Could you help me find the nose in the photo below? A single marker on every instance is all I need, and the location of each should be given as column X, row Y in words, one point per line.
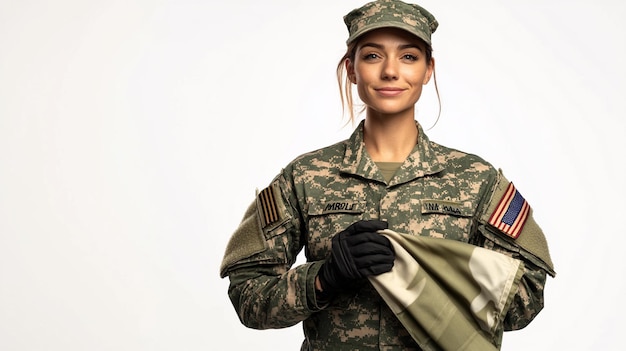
column 390, row 70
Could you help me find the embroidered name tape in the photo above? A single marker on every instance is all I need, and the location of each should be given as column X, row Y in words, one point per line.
column 511, row 212
column 441, row 206
column 343, row 207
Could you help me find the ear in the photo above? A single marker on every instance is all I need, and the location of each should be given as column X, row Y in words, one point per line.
column 350, row 71
column 429, row 70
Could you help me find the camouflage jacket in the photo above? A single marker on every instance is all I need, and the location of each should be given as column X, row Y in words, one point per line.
column 437, row 192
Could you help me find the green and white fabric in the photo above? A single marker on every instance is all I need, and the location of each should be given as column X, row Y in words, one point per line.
column 448, row 294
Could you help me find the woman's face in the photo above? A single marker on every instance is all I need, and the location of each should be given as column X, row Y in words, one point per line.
column 389, row 70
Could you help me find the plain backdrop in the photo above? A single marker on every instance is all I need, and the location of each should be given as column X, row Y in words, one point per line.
column 133, row 135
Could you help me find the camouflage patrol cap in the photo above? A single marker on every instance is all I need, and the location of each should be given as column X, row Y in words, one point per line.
column 390, row 13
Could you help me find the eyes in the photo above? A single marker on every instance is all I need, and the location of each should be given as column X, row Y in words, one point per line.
column 373, row 57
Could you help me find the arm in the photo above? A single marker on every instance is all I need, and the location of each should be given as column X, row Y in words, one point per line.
column 264, row 299
column 523, row 240
column 265, row 290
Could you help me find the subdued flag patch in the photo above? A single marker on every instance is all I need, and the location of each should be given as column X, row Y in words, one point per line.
column 269, row 209
column 511, row 212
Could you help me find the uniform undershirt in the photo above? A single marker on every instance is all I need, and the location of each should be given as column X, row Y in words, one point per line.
column 388, row 169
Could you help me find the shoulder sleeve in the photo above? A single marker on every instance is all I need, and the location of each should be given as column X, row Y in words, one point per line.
column 509, row 216
column 264, row 215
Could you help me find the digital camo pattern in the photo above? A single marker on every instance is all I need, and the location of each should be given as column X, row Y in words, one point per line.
column 391, row 13
column 438, row 192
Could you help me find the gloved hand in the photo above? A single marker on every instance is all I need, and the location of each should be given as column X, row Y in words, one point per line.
column 357, row 252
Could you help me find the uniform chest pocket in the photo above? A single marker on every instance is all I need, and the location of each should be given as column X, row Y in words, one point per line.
column 328, row 217
column 446, row 219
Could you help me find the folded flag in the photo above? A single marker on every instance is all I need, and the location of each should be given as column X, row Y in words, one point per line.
column 449, row 295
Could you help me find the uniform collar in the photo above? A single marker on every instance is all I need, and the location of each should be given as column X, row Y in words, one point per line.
column 422, row 160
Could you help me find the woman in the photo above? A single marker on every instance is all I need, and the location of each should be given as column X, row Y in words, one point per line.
column 333, row 202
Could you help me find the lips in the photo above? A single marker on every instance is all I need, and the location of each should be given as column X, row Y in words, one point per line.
column 389, row 91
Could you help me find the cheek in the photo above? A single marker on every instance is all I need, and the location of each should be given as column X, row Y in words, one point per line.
column 362, row 91
column 363, row 78
column 362, row 75
column 417, row 76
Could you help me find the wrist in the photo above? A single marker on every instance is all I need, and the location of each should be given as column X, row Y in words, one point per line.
column 318, row 285
column 320, row 295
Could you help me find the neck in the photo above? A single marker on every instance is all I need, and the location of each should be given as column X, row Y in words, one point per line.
column 389, row 138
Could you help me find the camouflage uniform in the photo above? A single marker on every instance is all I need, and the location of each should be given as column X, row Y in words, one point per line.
column 437, row 192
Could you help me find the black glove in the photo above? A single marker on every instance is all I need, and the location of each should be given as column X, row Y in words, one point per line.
column 357, row 252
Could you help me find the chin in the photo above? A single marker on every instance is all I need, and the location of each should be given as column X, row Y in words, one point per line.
column 388, row 111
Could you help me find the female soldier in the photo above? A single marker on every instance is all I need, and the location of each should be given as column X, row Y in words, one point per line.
column 332, row 202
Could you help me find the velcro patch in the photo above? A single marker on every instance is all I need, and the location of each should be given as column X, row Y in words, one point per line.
column 510, row 215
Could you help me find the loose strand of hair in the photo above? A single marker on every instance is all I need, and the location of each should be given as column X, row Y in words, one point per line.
column 438, row 99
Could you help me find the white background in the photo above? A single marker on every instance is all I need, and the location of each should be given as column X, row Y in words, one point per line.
column 133, row 135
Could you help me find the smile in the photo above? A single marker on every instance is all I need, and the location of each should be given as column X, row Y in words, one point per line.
column 389, row 91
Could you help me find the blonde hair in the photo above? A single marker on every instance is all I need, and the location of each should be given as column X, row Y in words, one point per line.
column 345, row 85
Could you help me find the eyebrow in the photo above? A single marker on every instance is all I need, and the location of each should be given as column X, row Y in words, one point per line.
column 401, row 47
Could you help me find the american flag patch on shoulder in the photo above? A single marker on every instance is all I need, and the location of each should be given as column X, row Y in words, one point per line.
column 269, row 207
column 511, row 213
